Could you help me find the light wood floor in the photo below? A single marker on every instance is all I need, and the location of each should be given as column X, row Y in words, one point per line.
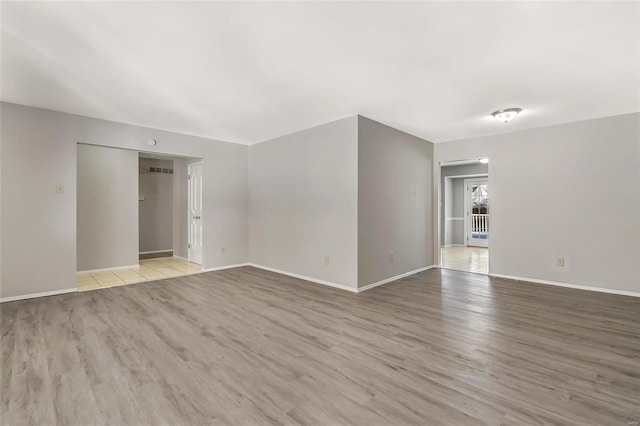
column 246, row 346
column 462, row 258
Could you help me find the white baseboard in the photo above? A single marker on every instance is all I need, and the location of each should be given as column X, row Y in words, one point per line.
column 454, row 245
column 117, row 268
column 180, row 257
column 155, row 251
column 576, row 286
column 34, row 295
column 397, row 277
column 220, row 268
column 303, row 277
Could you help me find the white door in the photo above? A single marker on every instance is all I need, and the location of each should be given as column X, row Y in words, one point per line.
column 477, row 212
column 195, row 213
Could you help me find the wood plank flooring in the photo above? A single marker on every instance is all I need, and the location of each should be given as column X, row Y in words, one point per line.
column 246, row 346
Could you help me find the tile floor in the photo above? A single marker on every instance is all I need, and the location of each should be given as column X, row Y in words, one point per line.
column 470, row 259
column 149, row 270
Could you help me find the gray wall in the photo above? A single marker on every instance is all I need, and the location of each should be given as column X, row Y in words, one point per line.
column 457, row 192
column 446, row 224
column 107, row 208
column 303, row 201
column 395, row 206
column 452, row 200
column 155, row 212
column 39, row 225
column 575, row 170
column 453, row 206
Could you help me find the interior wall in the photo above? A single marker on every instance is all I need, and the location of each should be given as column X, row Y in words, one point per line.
column 447, row 222
column 555, row 192
column 311, row 211
column 395, row 202
column 452, row 195
column 155, row 211
column 39, row 225
column 453, row 222
column 303, row 202
column 457, row 189
column 107, row 208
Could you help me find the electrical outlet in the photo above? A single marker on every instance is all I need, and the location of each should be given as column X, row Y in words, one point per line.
column 223, row 249
column 327, row 260
column 59, row 188
column 392, row 257
column 560, row 261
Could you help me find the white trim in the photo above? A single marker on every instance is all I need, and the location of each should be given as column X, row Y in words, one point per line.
column 303, row 277
column 454, row 245
column 461, row 162
column 117, row 268
column 340, row 286
column 576, row 286
column 155, row 251
column 220, row 268
column 397, row 277
column 179, row 257
column 34, row 295
column 476, row 175
column 454, row 218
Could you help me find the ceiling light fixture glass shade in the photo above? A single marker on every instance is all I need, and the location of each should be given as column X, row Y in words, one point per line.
column 506, row 115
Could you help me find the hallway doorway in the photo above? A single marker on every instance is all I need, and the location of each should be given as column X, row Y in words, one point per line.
column 464, row 215
column 133, row 217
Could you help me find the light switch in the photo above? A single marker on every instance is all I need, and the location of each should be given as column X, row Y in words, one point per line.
column 59, row 188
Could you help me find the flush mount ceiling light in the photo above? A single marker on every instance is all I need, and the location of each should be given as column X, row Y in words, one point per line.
column 506, row 115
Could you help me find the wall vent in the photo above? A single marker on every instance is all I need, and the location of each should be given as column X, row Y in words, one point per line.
column 157, row 170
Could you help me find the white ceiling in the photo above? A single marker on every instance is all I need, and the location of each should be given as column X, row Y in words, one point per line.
column 248, row 72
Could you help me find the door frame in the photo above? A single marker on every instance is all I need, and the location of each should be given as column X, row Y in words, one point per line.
column 196, row 163
column 467, row 213
column 439, row 200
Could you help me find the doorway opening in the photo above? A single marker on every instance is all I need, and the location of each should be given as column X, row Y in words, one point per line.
column 155, row 206
column 133, row 217
column 464, row 215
